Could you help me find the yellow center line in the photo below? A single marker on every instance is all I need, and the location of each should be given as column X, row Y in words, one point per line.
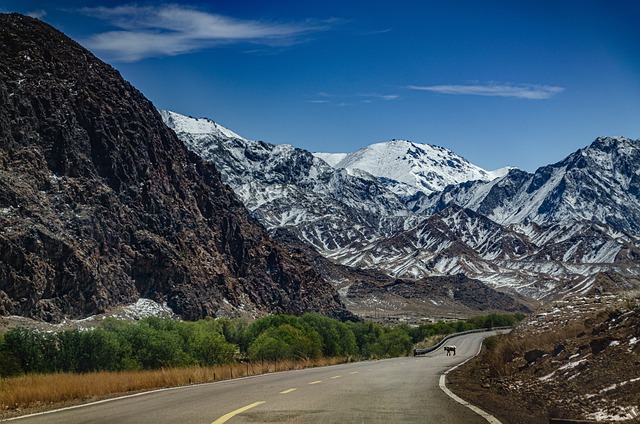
column 354, row 372
column 287, row 391
column 316, row 382
column 227, row 417
column 336, row 376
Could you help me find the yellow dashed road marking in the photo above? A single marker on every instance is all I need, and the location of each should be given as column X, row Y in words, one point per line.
column 287, row 391
column 336, row 376
column 354, row 372
column 227, row 417
column 316, row 382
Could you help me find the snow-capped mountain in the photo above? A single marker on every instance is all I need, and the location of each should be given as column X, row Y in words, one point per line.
column 598, row 183
column 534, row 234
column 288, row 188
column 186, row 124
column 406, row 167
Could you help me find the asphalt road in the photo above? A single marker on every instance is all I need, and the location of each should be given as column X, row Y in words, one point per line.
column 401, row 390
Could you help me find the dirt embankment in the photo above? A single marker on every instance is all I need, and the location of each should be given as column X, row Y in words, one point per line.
column 577, row 359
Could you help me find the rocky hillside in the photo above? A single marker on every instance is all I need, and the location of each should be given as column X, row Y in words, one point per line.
column 438, row 295
column 375, row 295
column 101, row 204
column 534, row 260
column 578, row 358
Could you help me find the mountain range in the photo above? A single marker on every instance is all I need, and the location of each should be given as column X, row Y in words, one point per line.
column 568, row 227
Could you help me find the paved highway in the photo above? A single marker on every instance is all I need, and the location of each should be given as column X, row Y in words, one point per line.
column 401, row 390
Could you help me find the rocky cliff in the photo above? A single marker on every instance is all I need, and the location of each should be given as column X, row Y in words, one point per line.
column 101, row 204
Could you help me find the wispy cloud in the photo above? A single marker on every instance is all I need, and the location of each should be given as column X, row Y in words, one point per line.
column 381, row 96
column 351, row 99
column 521, row 91
column 376, row 32
column 172, row 29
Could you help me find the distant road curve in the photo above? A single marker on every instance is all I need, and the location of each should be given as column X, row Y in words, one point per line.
column 400, row 390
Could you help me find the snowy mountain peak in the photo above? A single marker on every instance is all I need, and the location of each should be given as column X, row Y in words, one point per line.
column 613, row 145
column 599, row 183
column 195, row 126
column 407, row 167
column 611, row 140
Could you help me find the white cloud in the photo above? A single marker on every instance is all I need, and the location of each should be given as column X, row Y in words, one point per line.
column 521, row 91
column 169, row 30
column 382, row 96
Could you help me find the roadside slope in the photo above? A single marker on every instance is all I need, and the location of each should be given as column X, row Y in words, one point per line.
column 577, row 359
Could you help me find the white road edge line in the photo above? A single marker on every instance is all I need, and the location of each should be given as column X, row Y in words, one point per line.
column 443, row 386
column 66, row 408
column 142, row 393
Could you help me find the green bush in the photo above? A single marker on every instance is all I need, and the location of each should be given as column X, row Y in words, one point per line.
column 286, row 342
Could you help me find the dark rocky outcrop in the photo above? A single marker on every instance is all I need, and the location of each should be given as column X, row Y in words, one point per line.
column 469, row 293
column 101, row 204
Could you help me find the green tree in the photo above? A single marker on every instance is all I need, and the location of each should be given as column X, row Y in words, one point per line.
column 286, row 342
column 392, row 343
column 27, row 347
column 9, row 363
column 366, row 334
column 207, row 345
column 337, row 338
column 153, row 348
column 233, row 330
column 268, row 347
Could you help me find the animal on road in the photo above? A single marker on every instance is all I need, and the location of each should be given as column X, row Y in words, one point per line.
column 451, row 350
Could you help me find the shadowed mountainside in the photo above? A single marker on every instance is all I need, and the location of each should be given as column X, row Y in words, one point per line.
column 101, row 204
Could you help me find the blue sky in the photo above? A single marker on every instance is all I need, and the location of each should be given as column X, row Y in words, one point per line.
column 521, row 83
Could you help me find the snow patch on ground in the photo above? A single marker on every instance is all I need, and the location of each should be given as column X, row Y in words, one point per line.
column 145, row 308
column 616, row 413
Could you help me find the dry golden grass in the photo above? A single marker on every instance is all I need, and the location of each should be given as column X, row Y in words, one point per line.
column 44, row 391
column 502, row 350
